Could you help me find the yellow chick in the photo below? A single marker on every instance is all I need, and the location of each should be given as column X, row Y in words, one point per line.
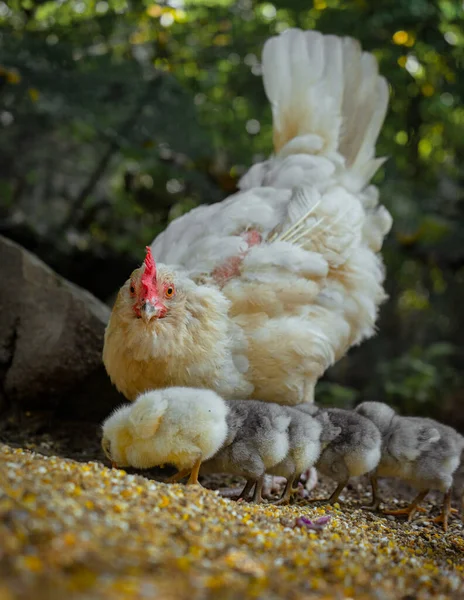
column 178, row 426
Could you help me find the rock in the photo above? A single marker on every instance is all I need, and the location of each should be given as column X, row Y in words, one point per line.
column 51, row 340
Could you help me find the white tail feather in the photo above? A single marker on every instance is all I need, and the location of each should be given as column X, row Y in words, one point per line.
column 302, row 205
column 327, row 89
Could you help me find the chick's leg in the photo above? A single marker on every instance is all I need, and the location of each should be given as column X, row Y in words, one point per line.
column 288, row 491
column 178, row 476
column 338, row 490
column 410, row 510
column 193, row 479
column 247, row 489
column 296, row 479
column 447, row 510
column 257, row 496
column 333, row 498
column 376, row 500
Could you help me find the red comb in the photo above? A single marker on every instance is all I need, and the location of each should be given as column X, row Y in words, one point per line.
column 150, row 268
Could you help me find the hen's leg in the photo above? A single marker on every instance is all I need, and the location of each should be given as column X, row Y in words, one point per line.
column 178, row 476
column 333, row 498
column 247, row 489
column 193, row 479
column 447, row 510
column 376, row 500
column 410, row 510
column 257, row 497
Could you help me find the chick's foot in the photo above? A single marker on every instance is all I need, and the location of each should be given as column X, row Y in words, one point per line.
column 443, row 518
column 409, row 511
column 287, row 495
column 333, row 498
column 320, row 502
column 178, row 476
column 374, row 507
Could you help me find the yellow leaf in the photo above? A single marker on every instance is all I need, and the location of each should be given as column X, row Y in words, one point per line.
column 33, row 94
column 13, row 77
column 425, row 148
column 401, row 138
column 400, row 38
column 180, row 15
column 222, row 40
column 427, row 89
column 154, row 11
column 139, row 37
column 411, row 40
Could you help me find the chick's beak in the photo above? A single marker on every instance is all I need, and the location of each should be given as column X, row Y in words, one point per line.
column 148, row 311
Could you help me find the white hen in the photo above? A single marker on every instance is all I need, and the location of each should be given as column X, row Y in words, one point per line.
column 258, row 295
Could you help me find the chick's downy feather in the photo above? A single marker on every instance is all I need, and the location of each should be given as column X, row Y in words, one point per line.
column 355, row 451
column 258, row 295
column 304, row 436
column 257, row 439
column 175, row 426
column 422, row 451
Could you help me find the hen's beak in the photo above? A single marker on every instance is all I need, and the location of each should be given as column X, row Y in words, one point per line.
column 148, row 311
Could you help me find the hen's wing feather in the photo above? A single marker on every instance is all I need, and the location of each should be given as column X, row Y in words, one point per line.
column 204, row 238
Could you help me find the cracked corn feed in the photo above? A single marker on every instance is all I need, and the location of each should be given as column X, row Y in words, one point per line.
column 80, row 530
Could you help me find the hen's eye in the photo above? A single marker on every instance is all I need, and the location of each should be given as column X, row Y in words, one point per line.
column 169, row 292
column 132, row 290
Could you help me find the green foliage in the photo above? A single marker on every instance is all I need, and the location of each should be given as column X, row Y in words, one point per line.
column 415, row 380
column 117, row 116
column 334, row 395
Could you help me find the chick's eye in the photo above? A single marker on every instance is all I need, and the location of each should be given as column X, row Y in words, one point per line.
column 169, row 293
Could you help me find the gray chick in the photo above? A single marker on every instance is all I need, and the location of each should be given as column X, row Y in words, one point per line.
column 257, row 439
column 354, row 452
column 458, row 483
column 418, row 450
column 307, row 437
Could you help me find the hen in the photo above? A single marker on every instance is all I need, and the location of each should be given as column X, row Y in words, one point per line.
column 258, row 295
